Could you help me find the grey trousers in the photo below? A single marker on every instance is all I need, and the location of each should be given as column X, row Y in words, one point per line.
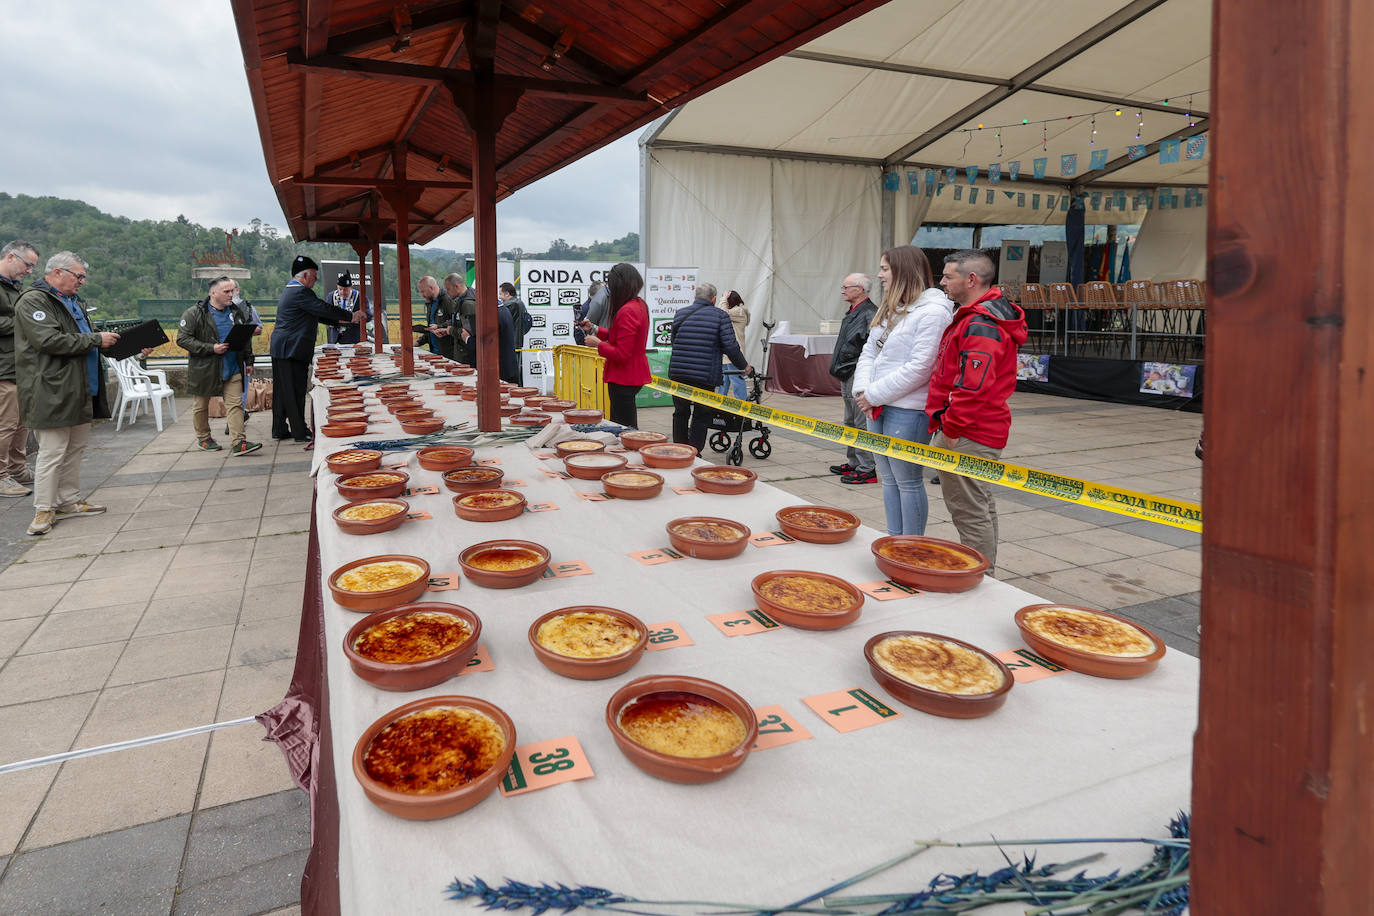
column 971, row 504
column 853, row 416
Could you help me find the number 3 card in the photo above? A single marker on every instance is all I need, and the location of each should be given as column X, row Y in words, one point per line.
column 544, row 764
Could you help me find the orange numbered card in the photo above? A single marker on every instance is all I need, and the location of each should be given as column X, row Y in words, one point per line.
column 544, row 764
column 545, row 456
column 886, row 590
column 1026, row 666
column 667, row 635
column 777, row 727
column 852, row 709
column 442, row 582
column 555, row 475
column 656, row 556
column 770, row 539
column 685, row 490
column 744, row 623
column 428, row 489
column 479, row 662
column 540, row 507
column 595, row 497
column 396, row 467
column 567, row 568
column 418, row 515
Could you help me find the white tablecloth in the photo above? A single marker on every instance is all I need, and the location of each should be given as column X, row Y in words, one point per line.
column 1068, row 755
column 812, row 344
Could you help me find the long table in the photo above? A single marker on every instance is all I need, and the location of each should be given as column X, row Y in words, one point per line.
column 1068, row 755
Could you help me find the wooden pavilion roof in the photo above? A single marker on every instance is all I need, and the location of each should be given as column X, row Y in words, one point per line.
column 358, row 98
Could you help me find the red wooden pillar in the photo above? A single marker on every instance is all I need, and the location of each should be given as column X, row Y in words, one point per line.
column 484, row 125
column 1283, row 778
column 400, row 204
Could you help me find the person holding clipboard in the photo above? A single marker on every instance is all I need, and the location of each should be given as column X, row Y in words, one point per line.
column 218, row 336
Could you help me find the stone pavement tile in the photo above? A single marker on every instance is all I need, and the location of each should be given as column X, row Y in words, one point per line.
column 1148, row 575
column 148, row 538
column 123, row 492
column 257, row 642
column 223, row 582
column 246, row 857
column 1106, row 590
column 14, row 632
column 219, row 532
column 1094, row 517
column 130, row 872
column 222, row 513
column 148, row 463
column 251, row 689
column 150, row 562
column 284, row 911
column 224, row 501
column 31, row 602
column 286, row 545
column 1113, row 539
column 26, row 575
column 1193, row 598
column 151, row 658
column 945, row 530
column 108, row 523
column 186, row 612
column 284, row 524
column 1173, row 620
column 1165, row 534
column 55, row 546
column 55, row 674
column 241, row 765
column 92, row 627
column 196, row 461
column 93, row 795
column 290, row 505
column 1073, row 551
column 196, row 556
column 185, row 486
column 176, row 505
column 21, row 794
column 42, row 727
column 110, row 592
column 1050, row 593
column 271, row 601
column 157, row 518
column 1037, row 522
column 152, row 708
column 1020, row 560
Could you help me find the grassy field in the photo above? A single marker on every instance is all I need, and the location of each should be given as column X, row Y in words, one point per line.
column 260, row 343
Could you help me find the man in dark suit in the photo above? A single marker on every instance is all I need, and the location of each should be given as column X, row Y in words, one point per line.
column 299, row 313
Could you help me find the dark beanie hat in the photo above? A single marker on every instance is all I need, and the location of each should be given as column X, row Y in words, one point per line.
column 345, row 279
column 302, row 263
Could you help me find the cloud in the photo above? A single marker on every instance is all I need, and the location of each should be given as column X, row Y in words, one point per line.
column 141, row 108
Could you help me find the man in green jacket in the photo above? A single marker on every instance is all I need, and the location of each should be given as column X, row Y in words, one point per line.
column 57, row 365
column 213, row 369
column 17, row 261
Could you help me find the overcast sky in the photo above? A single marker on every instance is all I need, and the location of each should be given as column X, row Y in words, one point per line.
column 141, row 108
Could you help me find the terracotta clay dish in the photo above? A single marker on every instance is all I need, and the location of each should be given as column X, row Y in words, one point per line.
column 807, row 600
column 523, row 392
column 338, row 415
column 682, row 729
column 423, row 427
column 636, row 439
column 593, row 465
column 468, row 479
column 559, row 405
column 537, row 400
column 580, row 416
column 434, row 757
column 628, row 484
column 489, row 505
column 393, row 388
column 354, row 461
column 469, row 394
column 930, row 564
column 668, row 455
column 578, row 446
column 326, row 375
column 508, row 410
column 531, row 419
column 504, row 564
column 372, row 516
column 377, row 583
column 938, row 674
column 463, row 370
column 1090, row 642
column 395, row 405
column 817, row 524
column 413, row 646
column 444, row 457
column 343, row 430
column 372, row 485
column 724, row 480
column 413, row 413
column 707, row 538
column 588, row 642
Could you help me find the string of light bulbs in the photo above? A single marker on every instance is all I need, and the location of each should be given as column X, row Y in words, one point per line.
column 1114, row 110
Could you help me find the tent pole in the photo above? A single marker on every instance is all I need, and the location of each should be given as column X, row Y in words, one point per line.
column 378, row 302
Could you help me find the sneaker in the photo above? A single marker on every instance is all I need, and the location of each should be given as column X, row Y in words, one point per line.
column 208, row 445
column 42, row 522
column 244, row 448
column 860, row 477
column 78, row 510
column 842, row 469
column 11, row 487
column 934, row 478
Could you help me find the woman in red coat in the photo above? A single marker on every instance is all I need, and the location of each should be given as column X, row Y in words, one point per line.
column 623, row 342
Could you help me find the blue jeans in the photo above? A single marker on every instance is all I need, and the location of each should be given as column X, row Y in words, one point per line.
column 734, row 385
column 904, row 489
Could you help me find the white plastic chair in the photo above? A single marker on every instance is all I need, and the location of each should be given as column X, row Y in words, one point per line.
column 137, row 385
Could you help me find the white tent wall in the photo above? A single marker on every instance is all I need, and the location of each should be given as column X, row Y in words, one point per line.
column 1172, row 243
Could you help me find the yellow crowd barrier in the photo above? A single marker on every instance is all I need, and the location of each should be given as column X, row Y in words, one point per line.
column 586, row 387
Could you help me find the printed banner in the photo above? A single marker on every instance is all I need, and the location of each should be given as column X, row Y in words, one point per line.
column 1033, row 367
column 1168, row 379
column 553, row 290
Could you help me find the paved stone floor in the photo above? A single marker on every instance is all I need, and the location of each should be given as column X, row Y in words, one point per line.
column 179, row 608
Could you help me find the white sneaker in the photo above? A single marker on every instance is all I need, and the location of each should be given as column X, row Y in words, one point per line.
column 13, row 488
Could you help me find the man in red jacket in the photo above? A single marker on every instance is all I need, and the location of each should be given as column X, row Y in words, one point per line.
column 975, row 373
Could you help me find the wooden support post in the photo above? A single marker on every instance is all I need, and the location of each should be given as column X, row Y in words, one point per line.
column 1283, row 799
column 378, row 299
column 360, row 249
column 400, row 200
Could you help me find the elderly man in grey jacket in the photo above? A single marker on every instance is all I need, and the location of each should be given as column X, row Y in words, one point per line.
column 858, row 466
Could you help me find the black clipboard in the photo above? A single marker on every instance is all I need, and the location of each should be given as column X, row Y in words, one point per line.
column 240, row 337
column 148, row 334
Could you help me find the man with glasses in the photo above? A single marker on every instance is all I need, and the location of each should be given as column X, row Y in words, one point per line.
column 858, row 466
column 17, row 261
column 61, row 386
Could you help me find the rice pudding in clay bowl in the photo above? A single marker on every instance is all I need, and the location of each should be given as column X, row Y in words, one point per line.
column 930, row 564
column 413, row 646
column 682, row 729
column 938, row 674
column 1090, row 642
column 504, row 563
column 588, row 642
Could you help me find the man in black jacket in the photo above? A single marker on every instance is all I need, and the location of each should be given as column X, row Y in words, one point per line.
column 701, row 334
column 848, row 345
column 299, row 313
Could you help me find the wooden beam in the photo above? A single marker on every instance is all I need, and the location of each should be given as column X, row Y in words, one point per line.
column 1283, row 802
column 384, row 34
column 431, row 92
column 588, row 63
column 367, row 181
column 483, row 32
column 729, row 20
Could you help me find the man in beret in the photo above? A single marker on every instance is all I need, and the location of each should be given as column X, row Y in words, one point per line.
column 299, row 313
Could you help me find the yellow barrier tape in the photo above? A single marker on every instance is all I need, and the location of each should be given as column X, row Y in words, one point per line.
column 1133, row 503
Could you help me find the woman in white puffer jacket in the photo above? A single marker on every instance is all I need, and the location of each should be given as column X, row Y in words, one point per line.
column 893, row 374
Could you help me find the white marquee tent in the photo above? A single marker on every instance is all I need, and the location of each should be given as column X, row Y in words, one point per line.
column 773, row 184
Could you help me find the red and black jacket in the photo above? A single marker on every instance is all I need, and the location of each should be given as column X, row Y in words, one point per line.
column 975, row 371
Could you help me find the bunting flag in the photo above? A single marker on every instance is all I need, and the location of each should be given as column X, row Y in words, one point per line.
column 891, row 181
column 1014, row 170
column 958, row 192
column 1099, row 159
column 1142, row 199
column 989, row 197
column 972, row 173
column 950, row 174
column 1039, row 165
column 973, row 195
column 913, row 183
column 1135, row 152
column 995, row 172
column 1021, row 198
column 1068, row 165
column 1192, row 197
column 1097, row 200
column 1050, row 201
column 1120, row 198
column 1196, row 148
column 1167, row 199
column 1035, row 201
column 1168, row 150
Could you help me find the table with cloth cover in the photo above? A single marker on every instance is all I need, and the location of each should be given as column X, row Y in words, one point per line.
column 1067, row 755
column 800, row 364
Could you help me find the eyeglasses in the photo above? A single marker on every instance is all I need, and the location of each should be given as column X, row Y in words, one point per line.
column 30, row 264
column 80, row 278
column 851, row 286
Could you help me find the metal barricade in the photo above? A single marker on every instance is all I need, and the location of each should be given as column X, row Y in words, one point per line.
column 577, row 377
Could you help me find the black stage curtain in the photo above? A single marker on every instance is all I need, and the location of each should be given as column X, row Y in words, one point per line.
column 1115, row 380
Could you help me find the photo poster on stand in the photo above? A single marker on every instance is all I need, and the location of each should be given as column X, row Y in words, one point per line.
column 553, row 291
column 666, row 289
column 1054, row 262
column 1011, row 267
